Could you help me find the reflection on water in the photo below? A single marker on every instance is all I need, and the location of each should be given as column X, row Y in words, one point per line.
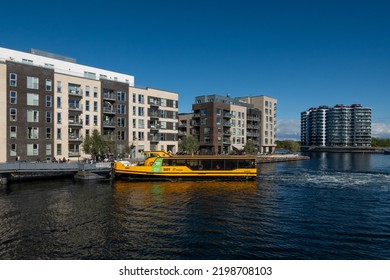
column 334, row 206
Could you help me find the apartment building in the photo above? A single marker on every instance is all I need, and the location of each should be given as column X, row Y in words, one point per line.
column 268, row 107
column 154, row 121
column 223, row 124
column 313, row 126
column 51, row 104
column 185, row 124
column 337, row 126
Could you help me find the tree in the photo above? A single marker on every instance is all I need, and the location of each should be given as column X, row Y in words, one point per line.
column 380, row 142
column 189, row 145
column 288, row 145
column 250, row 147
column 95, row 144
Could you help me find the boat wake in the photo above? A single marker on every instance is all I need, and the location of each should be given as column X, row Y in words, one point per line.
column 326, row 179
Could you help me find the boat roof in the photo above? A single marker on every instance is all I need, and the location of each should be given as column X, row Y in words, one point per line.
column 170, row 155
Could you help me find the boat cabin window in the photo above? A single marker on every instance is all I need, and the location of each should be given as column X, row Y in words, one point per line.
column 210, row 164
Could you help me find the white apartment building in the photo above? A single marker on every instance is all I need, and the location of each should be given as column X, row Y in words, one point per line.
column 51, row 103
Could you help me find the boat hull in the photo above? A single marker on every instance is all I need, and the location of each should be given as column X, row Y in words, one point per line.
column 181, row 177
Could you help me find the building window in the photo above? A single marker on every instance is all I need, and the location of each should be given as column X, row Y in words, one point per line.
column 48, row 133
column 141, row 123
column 12, row 132
column 87, row 105
column 95, row 120
column 32, row 116
column 163, row 113
column 174, row 104
column 59, row 102
column 48, row 85
column 48, row 117
column 32, row 82
column 12, row 151
column 134, row 97
column 27, row 61
column 48, row 149
column 32, row 133
column 13, row 114
column 95, row 106
column 59, row 149
column 140, row 111
column 48, row 101
column 87, row 89
column 141, row 99
column 59, row 117
column 121, row 109
column 121, row 122
column 59, row 133
column 141, row 136
column 32, row 99
column 86, row 119
column 13, row 97
column 134, row 123
column 13, row 79
column 134, row 111
column 59, row 86
column 163, row 102
column 121, row 135
column 121, row 96
column 95, row 92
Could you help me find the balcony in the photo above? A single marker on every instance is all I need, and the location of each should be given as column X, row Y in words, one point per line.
column 154, row 115
column 109, row 111
column 227, row 132
column 227, row 115
column 109, row 96
column 155, row 104
column 109, row 124
column 76, row 92
column 154, row 128
column 75, row 107
column 74, row 137
column 227, row 141
column 75, row 153
column 75, row 122
column 227, row 124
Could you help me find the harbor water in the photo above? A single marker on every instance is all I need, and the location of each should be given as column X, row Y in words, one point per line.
column 333, row 206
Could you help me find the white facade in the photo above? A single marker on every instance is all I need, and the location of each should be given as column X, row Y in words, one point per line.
column 64, row 67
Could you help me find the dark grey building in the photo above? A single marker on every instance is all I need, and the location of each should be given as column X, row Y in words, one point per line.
column 337, row 126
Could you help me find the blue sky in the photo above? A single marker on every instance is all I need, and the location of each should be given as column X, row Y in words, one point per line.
column 304, row 53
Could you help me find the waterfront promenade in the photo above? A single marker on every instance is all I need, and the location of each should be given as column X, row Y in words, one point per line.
column 19, row 171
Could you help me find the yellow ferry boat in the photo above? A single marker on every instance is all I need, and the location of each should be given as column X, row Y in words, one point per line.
column 160, row 165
